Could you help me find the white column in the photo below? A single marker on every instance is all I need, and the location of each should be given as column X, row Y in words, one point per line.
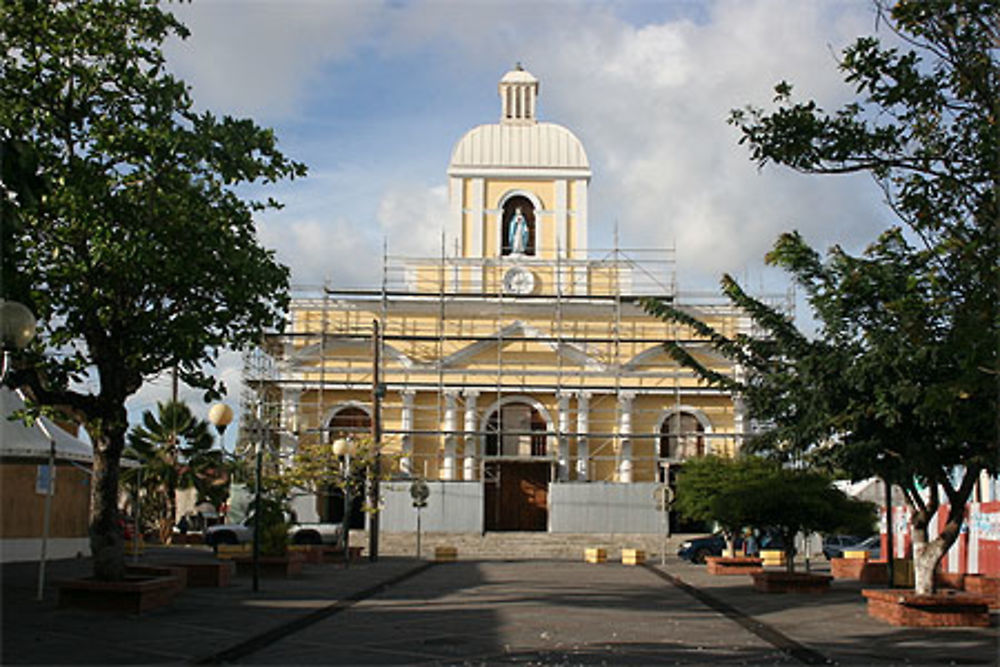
column 582, row 428
column 456, row 208
column 560, row 218
column 740, row 424
column 450, row 439
column 406, row 424
column 476, row 206
column 471, row 438
column 290, row 411
column 580, row 212
column 562, row 473
column 624, row 431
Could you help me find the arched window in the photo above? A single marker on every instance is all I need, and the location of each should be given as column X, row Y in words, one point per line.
column 346, row 422
column 681, row 437
column 506, row 431
column 349, row 421
column 510, row 209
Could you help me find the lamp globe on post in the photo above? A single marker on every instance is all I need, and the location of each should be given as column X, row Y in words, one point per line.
column 345, row 447
column 17, row 326
column 221, row 416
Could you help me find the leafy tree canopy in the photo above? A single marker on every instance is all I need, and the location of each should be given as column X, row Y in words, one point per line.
column 138, row 255
column 903, row 378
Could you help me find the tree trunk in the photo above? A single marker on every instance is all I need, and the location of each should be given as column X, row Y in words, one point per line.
column 789, row 539
column 927, row 554
column 106, row 540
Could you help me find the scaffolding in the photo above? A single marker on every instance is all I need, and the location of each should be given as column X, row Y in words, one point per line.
column 457, row 345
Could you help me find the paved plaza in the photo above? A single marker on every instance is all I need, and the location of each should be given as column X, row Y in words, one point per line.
column 404, row 611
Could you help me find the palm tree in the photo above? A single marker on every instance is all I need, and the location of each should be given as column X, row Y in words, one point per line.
column 175, row 451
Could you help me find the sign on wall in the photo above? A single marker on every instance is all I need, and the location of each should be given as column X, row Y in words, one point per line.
column 42, row 477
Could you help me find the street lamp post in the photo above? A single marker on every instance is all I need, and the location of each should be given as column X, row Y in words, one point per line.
column 259, row 435
column 345, row 447
column 17, row 326
column 221, row 416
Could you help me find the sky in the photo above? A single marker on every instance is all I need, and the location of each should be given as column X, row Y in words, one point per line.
column 373, row 96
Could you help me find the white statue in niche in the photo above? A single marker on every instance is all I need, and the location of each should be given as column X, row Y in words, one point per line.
column 517, row 235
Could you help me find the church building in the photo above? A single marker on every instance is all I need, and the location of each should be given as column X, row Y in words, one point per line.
column 517, row 373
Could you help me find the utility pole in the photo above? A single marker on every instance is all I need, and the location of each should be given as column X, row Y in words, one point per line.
column 373, row 491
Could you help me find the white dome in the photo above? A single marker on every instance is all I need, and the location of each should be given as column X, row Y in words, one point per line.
column 518, row 76
column 538, row 145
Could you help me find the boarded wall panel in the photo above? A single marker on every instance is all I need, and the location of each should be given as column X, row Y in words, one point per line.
column 603, row 507
column 453, row 507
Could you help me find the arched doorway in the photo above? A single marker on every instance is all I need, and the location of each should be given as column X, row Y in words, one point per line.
column 348, row 421
column 510, row 209
column 682, row 437
column 516, row 481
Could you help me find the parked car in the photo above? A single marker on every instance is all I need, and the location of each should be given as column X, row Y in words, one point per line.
column 698, row 548
column 298, row 533
column 873, row 545
column 833, row 545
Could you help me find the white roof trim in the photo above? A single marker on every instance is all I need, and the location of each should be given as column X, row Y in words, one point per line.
column 17, row 439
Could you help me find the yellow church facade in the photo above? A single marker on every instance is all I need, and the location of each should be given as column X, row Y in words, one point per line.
column 516, row 372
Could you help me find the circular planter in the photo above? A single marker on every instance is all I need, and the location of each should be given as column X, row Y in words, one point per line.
column 791, row 582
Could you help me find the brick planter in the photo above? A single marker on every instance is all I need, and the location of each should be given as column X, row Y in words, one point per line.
column 158, row 571
column 270, row 566
column 847, row 568
column 867, row 571
column 211, row 574
column 791, row 582
column 875, row 572
column 726, row 565
column 953, row 580
column 336, row 554
column 311, row 553
column 981, row 584
column 942, row 609
column 135, row 594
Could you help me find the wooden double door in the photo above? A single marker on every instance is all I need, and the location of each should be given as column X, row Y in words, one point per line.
column 517, row 495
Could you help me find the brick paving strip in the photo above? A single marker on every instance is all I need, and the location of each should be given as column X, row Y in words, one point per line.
column 264, row 639
column 773, row 636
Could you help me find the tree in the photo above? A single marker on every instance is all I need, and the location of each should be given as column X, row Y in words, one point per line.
column 703, row 480
column 788, row 501
column 314, row 469
column 142, row 256
column 902, row 379
column 751, row 491
column 175, row 451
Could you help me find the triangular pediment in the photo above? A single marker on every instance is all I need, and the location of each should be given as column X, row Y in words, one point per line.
column 518, row 332
column 341, row 347
column 658, row 355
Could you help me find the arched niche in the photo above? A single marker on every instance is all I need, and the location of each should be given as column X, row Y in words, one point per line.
column 529, row 207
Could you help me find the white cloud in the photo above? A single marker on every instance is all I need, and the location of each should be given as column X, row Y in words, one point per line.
column 319, row 250
column 261, row 58
column 412, row 219
column 649, row 99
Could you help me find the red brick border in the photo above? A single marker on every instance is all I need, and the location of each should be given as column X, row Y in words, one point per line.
column 725, row 565
column 942, row 609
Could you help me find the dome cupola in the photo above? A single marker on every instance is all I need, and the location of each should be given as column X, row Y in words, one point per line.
column 518, row 94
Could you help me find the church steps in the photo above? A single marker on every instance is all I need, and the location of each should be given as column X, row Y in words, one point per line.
column 519, row 545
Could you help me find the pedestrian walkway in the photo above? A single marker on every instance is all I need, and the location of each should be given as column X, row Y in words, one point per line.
column 405, row 611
